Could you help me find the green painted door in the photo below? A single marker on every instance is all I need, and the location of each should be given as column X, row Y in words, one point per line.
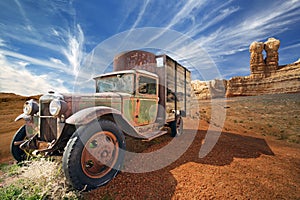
column 146, row 100
column 146, row 111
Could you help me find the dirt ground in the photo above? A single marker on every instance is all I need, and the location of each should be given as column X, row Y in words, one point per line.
column 240, row 166
column 257, row 155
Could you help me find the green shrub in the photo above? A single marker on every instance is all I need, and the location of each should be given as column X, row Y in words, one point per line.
column 10, row 192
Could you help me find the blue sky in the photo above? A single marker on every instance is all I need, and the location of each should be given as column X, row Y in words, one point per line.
column 44, row 44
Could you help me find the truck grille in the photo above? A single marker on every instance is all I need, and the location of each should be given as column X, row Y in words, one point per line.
column 48, row 125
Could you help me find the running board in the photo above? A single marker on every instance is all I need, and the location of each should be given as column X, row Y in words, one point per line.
column 152, row 135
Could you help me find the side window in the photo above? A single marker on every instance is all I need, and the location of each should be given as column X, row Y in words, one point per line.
column 147, row 85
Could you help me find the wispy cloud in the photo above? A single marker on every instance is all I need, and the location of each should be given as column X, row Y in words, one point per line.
column 257, row 27
column 132, row 10
column 141, row 13
column 291, row 47
column 2, row 43
column 57, row 47
column 14, row 77
column 186, row 11
column 233, row 71
column 212, row 18
column 46, row 63
column 57, row 61
column 74, row 51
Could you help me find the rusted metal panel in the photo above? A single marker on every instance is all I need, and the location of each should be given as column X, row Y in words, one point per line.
column 109, row 99
column 131, row 59
column 48, row 124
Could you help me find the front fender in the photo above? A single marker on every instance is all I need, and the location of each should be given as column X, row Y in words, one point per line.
column 23, row 116
column 87, row 115
column 20, row 117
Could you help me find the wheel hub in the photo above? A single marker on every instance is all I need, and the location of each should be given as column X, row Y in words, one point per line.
column 99, row 154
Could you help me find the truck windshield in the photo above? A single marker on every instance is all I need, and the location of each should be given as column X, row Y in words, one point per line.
column 116, row 83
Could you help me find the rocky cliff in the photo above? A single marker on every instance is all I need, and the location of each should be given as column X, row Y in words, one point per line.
column 266, row 77
column 285, row 80
column 208, row 89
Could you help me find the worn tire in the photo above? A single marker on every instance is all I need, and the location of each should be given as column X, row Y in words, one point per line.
column 176, row 127
column 18, row 154
column 83, row 158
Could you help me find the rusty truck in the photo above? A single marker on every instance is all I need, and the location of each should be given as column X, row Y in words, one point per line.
column 145, row 96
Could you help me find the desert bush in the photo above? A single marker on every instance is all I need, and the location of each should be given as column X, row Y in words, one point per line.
column 10, row 192
column 37, row 179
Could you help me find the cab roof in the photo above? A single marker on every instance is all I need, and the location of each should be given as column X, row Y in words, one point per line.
column 132, row 71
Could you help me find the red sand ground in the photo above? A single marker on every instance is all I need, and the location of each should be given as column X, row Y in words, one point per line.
column 256, row 156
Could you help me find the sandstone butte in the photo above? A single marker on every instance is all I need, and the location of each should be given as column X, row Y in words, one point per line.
column 266, row 76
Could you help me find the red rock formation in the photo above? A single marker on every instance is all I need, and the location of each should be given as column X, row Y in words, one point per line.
column 266, row 77
column 271, row 47
column 257, row 64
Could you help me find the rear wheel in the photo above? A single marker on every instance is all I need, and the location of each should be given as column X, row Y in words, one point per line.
column 176, row 126
column 93, row 155
column 18, row 154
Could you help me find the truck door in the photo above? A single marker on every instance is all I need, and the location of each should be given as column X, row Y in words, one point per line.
column 146, row 100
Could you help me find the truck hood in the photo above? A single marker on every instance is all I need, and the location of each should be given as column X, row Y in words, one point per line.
column 83, row 96
column 80, row 101
column 109, row 99
column 97, row 95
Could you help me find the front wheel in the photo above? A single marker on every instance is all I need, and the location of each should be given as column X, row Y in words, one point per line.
column 18, row 154
column 176, row 127
column 94, row 155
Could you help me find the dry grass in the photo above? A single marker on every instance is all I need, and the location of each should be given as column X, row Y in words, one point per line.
column 272, row 115
column 36, row 179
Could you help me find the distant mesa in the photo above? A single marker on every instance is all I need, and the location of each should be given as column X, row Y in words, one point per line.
column 266, row 76
column 208, row 89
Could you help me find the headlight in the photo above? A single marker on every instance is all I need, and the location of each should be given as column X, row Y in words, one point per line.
column 30, row 107
column 57, row 107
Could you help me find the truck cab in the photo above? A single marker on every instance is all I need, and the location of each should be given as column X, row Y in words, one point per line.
column 138, row 90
